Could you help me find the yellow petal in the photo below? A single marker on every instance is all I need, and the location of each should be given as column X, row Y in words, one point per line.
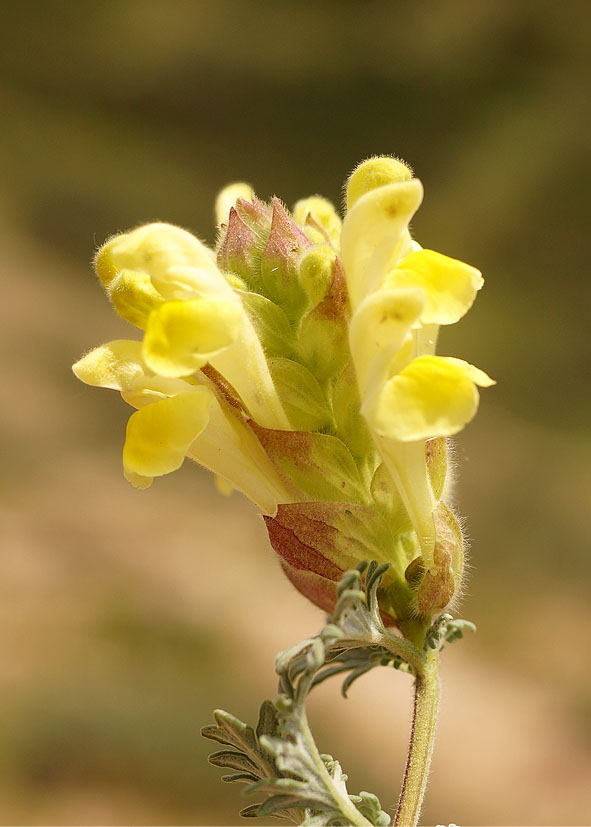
column 228, row 447
column 319, row 211
column 374, row 235
column 152, row 249
column 182, row 336
column 432, row 396
column 228, row 197
column 245, row 367
column 379, row 328
column 479, row 377
column 450, row 286
column 149, row 388
column 159, row 435
column 134, row 297
column 120, row 365
column 384, row 318
column 223, row 486
column 116, row 365
column 406, row 464
column 373, row 173
column 183, row 282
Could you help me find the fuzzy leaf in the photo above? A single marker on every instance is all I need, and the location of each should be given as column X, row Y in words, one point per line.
column 232, row 760
column 350, row 679
column 283, row 786
column 280, row 760
column 318, row 820
column 325, row 539
column 216, row 733
column 320, row 465
column 285, row 802
column 268, row 720
column 239, row 733
column 300, row 394
column 252, row 811
column 371, row 808
column 271, row 325
column 240, row 777
column 351, row 425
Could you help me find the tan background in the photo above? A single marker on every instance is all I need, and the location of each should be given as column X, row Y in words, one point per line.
column 127, row 617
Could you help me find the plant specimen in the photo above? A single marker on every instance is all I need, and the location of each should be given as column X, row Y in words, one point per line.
column 297, row 362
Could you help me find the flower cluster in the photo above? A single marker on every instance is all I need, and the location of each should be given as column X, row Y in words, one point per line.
column 297, row 362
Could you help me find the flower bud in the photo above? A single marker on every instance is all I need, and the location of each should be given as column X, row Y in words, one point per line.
column 256, row 214
column 319, row 220
column 279, row 262
column 436, row 588
column 323, row 334
column 316, row 270
column 242, row 240
column 238, row 252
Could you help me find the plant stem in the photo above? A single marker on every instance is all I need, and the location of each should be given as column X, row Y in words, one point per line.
column 422, row 739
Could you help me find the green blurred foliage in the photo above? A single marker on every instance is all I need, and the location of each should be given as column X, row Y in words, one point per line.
column 122, row 111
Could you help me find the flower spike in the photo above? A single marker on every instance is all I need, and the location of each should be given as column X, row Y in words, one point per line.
column 296, row 361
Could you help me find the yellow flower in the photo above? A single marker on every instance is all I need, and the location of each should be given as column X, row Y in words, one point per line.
column 297, row 362
column 180, row 417
column 400, row 297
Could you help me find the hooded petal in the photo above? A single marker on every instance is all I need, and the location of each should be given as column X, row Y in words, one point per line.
column 376, row 226
column 373, row 173
column 152, row 249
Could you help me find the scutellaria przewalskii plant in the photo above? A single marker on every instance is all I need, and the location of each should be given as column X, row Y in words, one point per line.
column 296, row 361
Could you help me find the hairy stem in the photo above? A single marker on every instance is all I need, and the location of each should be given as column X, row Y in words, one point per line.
column 422, row 739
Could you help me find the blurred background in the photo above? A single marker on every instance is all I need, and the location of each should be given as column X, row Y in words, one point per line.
column 127, row 616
